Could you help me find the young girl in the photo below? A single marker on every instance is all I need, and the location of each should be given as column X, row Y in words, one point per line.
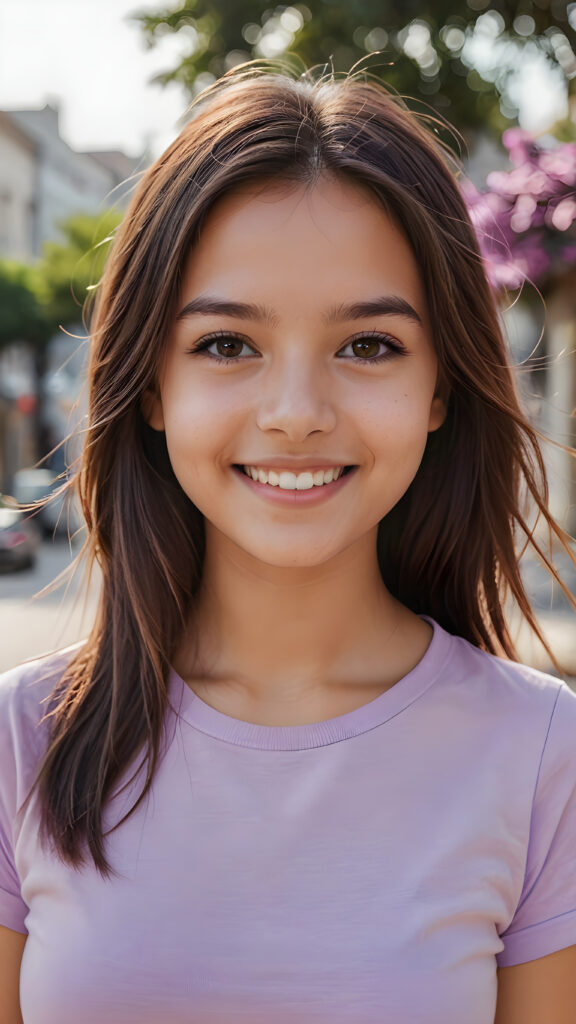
column 295, row 774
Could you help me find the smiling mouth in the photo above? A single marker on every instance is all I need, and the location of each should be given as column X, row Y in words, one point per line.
column 289, row 481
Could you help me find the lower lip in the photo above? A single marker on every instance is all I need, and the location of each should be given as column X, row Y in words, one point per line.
column 294, row 499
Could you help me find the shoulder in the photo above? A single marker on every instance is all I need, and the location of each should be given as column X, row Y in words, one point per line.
column 501, row 678
column 24, row 695
column 24, row 732
column 503, row 693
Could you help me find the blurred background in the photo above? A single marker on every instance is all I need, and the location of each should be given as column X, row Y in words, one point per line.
column 91, row 91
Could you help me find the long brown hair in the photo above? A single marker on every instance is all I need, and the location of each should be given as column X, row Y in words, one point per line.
column 448, row 549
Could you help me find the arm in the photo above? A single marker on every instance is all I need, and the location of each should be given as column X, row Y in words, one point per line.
column 11, row 949
column 541, row 991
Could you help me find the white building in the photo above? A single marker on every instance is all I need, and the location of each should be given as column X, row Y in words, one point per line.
column 18, row 192
column 43, row 182
column 67, row 182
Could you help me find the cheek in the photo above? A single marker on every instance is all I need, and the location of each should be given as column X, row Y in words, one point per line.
column 195, row 414
column 397, row 426
column 398, row 444
column 200, row 424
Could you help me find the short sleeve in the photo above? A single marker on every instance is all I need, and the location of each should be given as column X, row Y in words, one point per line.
column 545, row 918
column 13, row 910
column 23, row 738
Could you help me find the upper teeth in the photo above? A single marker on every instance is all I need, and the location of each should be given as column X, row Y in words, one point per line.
column 294, row 481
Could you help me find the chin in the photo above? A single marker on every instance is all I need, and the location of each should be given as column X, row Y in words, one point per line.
column 292, row 558
column 287, row 555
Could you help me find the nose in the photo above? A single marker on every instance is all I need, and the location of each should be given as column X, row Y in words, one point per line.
column 295, row 400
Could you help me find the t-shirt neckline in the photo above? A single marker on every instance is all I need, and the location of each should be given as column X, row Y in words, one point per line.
column 188, row 706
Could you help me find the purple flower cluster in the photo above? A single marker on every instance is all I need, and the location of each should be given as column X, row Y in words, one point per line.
column 526, row 220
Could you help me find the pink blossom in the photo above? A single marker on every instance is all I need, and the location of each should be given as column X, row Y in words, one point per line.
column 560, row 163
column 503, row 274
column 522, row 218
column 529, row 260
column 526, row 178
column 563, row 214
column 519, row 144
column 488, row 210
column 522, row 214
column 532, row 256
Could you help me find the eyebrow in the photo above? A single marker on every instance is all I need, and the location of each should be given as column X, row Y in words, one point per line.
column 384, row 305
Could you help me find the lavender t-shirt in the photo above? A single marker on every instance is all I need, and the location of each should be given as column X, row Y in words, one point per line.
column 373, row 867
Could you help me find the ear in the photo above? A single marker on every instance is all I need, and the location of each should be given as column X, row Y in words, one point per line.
column 151, row 407
column 439, row 406
column 438, row 411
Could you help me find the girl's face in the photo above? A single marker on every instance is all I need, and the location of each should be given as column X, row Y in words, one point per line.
column 302, row 347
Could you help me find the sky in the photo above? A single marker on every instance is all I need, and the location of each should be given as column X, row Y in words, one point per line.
column 87, row 57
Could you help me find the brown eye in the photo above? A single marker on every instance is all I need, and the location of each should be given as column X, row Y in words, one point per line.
column 228, row 346
column 372, row 348
column 366, row 347
column 223, row 348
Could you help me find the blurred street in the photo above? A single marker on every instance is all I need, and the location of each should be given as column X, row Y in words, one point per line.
column 556, row 618
column 31, row 626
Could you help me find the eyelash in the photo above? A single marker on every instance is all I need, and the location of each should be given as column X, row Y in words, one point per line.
column 394, row 346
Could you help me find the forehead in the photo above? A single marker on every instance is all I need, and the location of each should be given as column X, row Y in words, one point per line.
column 311, row 244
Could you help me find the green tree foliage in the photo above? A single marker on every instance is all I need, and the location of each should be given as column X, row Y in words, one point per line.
column 22, row 312
column 71, row 268
column 459, row 58
column 36, row 300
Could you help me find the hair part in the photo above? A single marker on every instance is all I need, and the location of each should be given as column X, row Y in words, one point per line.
column 447, row 549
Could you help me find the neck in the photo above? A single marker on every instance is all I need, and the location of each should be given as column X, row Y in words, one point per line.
column 276, row 634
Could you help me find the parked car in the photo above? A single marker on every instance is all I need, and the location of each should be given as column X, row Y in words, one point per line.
column 19, row 539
